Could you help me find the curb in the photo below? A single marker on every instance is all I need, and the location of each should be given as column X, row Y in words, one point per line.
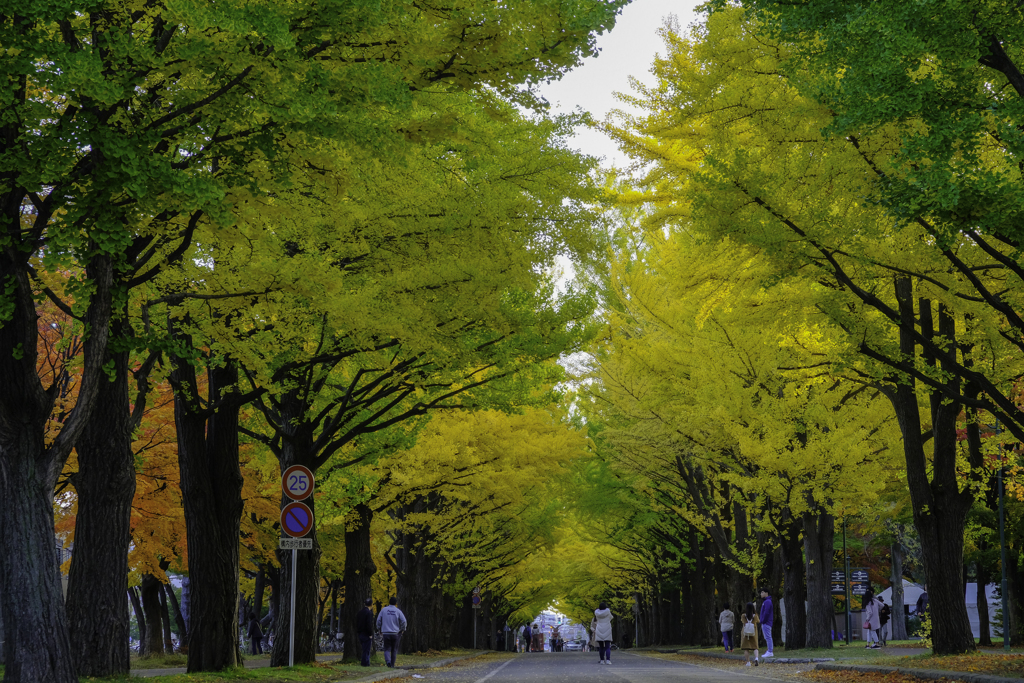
column 927, row 674
column 740, row 658
column 403, row 671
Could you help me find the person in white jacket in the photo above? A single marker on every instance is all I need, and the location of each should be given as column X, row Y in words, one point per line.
column 601, row 626
column 726, row 623
column 871, row 616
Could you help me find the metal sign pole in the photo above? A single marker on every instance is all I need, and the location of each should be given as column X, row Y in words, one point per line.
column 846, row 567
column 291, row 621
column 474, row 629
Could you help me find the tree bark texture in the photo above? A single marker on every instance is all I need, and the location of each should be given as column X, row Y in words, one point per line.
column 794, row 592
column 140, row 618
column 165, row 619
column 984, row 620
column 97, row 603
column 179, row 620
column 431, row 613
column 37, row 645
column 898, row 620
column 359, row 570
column 211, row 487
column 939, row 507
column 257, row 593
column 151, row 590
column 819, row 537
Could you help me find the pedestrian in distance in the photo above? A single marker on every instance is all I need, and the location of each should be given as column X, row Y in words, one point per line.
column 525, row 638
column 922, row 603
column 767, row 621
column 726, row 623
column 870, row 614
column 255, row 635
column 748, row 634
column 364, row 630
column 392, row 624
column 536, row 638
column 601, row 625
column 884, row 612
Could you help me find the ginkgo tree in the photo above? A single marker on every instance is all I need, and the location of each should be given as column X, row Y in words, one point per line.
column 425, row 287
column 126, row 128
column 741, row 152
column 721, row 382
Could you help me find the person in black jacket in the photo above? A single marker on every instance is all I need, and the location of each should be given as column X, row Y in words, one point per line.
column 255, row 634
column 364, row 629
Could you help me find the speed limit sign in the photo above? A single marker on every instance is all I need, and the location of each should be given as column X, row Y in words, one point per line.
column 297, row 482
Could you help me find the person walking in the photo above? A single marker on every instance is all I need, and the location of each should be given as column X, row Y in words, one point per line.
column 726, row 623
column 525, row 637
column 922, row 603
column 364, row 629
column 748, row 634
column 392, row 624
column 870, row 615
column 536, row 638
column 601, row 625
column 884, row 612
column 255, row 635
column 767, row 621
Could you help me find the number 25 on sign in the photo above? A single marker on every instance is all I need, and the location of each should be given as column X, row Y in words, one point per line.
column 297, row 482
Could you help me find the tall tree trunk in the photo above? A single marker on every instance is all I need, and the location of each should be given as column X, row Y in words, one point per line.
column 335, row 587
column 359, row 569
column 97, row 603
column 37, row 645
column 151, row 591
column 179, row 620
column 211, row 487
column 257, row 593
column 939, row 507
column 1015, row 593
column 984, row 620
column 794, row 592
column 140, row 618
column 898, row 621
column 165, row 619
column 819, row 537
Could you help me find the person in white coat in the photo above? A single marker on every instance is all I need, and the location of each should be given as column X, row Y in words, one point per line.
column 871, row 616
column 601, row 626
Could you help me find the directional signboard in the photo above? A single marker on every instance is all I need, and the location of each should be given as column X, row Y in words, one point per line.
column 297, row 482
column 859, row 581
column 296, row 519
column 838, row 582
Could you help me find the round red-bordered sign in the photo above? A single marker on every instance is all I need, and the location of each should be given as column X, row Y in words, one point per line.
column 297, row 482
column 296, row 519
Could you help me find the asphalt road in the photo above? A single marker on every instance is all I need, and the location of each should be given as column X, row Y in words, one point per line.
column 579, row 667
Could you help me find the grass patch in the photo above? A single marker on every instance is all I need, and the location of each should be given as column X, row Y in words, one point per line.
column 171, row 661
column 989, row 662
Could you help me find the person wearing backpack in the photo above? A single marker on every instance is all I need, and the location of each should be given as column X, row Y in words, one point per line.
column 748, row 634
column 884, row 612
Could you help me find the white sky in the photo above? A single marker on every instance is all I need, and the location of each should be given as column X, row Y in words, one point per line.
column 627, row 50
